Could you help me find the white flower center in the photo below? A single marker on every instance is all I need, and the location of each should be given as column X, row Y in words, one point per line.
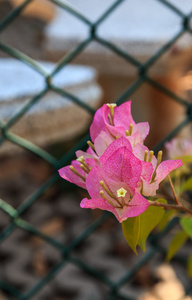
column 121, row 192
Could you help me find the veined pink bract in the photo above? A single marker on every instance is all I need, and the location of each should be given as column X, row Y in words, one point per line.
column 117, row 169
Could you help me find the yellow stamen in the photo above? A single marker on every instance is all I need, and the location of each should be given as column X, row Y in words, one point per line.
column 84, row 169
column 82, row 161
column 159, row 158
column 150, row 156
column 146, row 155
column 102, row 184
column 121, row 192
column 80, row 158
column 91, row 145
column 127, row 132
column 141, row 191
column 131, row 129
column 111, row 107
column 76, row 172
column 103, row 196
column 110, row 120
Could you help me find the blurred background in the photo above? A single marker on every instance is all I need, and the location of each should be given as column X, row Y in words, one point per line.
column 59, row 62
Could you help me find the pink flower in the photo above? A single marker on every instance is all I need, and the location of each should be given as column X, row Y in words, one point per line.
column 117, row 121
column 79, row 168
column 153, row 170
column 112, row 186
column 117, row 169
column 179, row 147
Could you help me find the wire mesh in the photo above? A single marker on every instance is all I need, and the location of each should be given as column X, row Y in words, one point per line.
column 16, row 219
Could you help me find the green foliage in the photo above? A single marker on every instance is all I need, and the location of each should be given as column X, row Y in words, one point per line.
column 186, row 224
column 187, row 186
column 177, row 242
column 168, row 215
column 137, row 229
column 131, row 229
column 148, row 221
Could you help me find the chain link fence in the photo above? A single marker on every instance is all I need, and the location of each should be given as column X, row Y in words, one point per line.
column 16, row 219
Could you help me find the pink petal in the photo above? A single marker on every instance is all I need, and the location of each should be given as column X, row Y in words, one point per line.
column 68, row 175
column 101, row 123
column 87, row 154
column 134, row 139
column 98, row 203
column 147, row 170
column 136, row 207
column 116, row 144
column 91, row 151
column 115, row 130
column 123, row 117
column 90, row 159
column 123, row 166
column 142, row 128
column 102, row 141
column 98, row 124
column 149, row 189
column 139, row 152
column 92, row 182
column 92, row 162
column 93, row 185
column 166, row 167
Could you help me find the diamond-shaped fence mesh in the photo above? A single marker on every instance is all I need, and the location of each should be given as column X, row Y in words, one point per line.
column 68, row 252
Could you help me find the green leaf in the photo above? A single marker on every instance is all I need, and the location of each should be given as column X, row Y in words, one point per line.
column 187, row 186
column 131, row 229
column 177, row 242
column 148, row 220
column 189, row 265
column 186, row 224
column 168, row 215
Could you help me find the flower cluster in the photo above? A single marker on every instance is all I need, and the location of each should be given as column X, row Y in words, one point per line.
column 117, row 169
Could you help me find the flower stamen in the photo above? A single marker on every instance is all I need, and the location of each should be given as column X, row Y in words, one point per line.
column 91, row 145
column 111, row 107
column 110, row 120
column 131, row 129
column 127, row 132
column 77, row 173
column 102, row 184
column 84, row 169
column 159, row 158
column 150, row 156
column 82, row 161
column 146, row 155
column 111, row 115
column 109, row 201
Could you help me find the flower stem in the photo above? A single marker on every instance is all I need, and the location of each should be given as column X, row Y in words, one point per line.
column 172, row 206
column 173, row 190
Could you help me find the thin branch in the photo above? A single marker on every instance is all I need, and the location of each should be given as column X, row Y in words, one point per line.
column 171, row 206
column 173, row 190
